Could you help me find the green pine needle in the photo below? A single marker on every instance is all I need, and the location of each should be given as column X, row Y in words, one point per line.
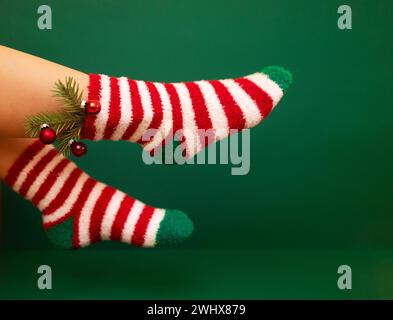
column 68, row 122
column 69, row 94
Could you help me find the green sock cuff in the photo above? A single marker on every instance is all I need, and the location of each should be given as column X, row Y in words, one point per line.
column 279, row 75
column 174, row 228
column 61, row 234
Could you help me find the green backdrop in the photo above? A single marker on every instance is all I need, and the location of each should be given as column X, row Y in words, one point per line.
column 319, row 192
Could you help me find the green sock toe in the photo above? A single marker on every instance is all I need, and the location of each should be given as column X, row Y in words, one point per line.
column 61, row 234
column 279, row 75
column 174, row 228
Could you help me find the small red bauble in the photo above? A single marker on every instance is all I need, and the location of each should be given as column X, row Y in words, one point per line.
column 78, row 149
column 47, row 135
column 92, row 106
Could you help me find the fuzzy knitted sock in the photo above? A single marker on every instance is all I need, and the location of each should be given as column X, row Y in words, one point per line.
column 129, row 108
column 78, row 210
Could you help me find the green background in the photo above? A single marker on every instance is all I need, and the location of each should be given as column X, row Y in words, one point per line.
column 319, row 192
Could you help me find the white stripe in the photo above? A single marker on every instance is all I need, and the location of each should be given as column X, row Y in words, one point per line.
column 56, row 187
column 190, row 129
column 40, row 179
column 103, row 115
column 131, row 221
column 110, row 214
column 147, row 111
column 125, row 109
column 152, row 228
column 166, row 124
column 87, row 211
column 216, row 110
column 23, row 174
column 69, row 202
column 250, row 110
column 267, row 85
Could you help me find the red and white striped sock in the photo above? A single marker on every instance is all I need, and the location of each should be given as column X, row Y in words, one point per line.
column 129, row 107
column 78, row 210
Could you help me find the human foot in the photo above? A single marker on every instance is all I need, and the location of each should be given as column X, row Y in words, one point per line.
column 129, row 108
column 78, row 210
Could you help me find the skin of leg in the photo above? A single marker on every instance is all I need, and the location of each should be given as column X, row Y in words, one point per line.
column 10, row 150
column 25, row 88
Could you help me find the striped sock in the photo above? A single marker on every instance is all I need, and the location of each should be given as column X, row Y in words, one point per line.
column 129, row 108
column 78, row 210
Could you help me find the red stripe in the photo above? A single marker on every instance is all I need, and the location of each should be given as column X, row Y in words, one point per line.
column 72, row 212
column 94, row 88
column 121, row 217
column 157, row 109
column 231, row 108
column 114, row 108
column 261, row 98
column 64, row 193
column 177, row 115
column 49, row 182
column 33, row 174
column 98, row 213
column 77, row 209
column 137, row 110
column 26, row 156
column 138, row 237
column 202, row 117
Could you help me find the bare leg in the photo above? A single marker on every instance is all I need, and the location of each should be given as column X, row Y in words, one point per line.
column 25, row 88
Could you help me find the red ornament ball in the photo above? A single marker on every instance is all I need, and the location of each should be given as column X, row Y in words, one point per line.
column 92, row 107
column 78, row 149
column 47, row 135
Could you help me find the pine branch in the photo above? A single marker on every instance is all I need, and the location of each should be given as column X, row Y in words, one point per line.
column 69, row 94
column 57, row 121
column 67, row 123
column 63, row 140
